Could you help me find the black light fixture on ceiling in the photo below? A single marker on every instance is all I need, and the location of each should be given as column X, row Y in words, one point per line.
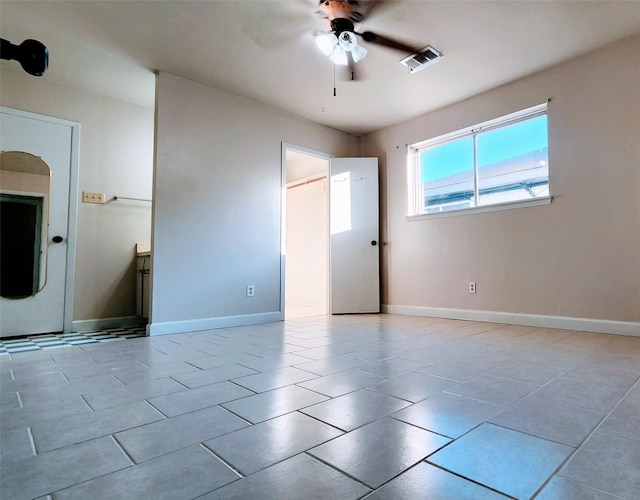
column 32, row 55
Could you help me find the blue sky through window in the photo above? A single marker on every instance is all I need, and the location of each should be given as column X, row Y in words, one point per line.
column 448, row 159
column 495, row 145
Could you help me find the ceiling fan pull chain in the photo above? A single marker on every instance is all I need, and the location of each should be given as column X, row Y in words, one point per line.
column 334, row 80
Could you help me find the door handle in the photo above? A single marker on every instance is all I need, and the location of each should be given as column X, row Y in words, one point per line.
column 374, row 243
column 57, row 239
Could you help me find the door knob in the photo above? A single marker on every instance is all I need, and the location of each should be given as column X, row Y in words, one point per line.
column 374, row 243
column 57, row 239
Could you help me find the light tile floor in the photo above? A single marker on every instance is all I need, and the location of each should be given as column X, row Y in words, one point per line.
column 342, row 407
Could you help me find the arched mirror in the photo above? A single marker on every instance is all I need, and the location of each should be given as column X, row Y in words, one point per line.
column 24, row 217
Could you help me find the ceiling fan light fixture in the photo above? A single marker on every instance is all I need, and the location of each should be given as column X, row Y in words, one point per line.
column 347, row 40
column 358, row 53
column 326, row 42
column 339, row 56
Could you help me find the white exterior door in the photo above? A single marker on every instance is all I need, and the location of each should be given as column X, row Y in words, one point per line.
column 55, row 141
column 354, row 230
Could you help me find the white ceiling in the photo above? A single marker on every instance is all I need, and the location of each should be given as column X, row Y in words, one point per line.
column 263, row 50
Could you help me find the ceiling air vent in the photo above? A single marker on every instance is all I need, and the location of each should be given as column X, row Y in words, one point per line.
column 422, row 59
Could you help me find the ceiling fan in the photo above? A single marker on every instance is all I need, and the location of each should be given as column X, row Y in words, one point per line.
column 342, row 40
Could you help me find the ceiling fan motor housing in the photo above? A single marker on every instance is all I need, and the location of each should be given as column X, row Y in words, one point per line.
column 341, row 24
column 340, row 9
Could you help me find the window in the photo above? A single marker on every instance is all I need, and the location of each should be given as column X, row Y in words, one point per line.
column 493, row 163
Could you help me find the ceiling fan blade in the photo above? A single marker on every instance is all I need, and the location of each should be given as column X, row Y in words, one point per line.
column 270, row 27
column 369, row 36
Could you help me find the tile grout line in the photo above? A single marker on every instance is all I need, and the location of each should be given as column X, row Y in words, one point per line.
column 114, row 376
column 32, row 441
column 223, row 461
column 183, row 385
column 235, row 415
column 166, row 417
column 87, row 403
column 126, row 453
column 323, row 422
column 344, row 473
column 453, row 439
column 571, row 480
column 437, row 466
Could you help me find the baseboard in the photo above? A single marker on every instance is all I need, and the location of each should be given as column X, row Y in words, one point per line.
column 561, row 322
column 194, row 325
column 87, row 325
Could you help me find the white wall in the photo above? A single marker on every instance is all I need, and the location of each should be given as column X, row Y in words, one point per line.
column 116, row 157
column 578, row 257
column 217, row 214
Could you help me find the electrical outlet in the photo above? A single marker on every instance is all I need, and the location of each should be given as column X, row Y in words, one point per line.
column 88, row 197
column 472, row 287
column 251, row 290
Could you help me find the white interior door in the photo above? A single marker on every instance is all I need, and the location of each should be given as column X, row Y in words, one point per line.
column 53, row 141
column 354, row 230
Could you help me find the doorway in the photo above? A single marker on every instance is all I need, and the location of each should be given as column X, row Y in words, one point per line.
column 306, row 219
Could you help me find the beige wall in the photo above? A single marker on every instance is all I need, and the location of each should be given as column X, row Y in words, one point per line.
column 116, row 157
column 217, row 189
column 579, row 256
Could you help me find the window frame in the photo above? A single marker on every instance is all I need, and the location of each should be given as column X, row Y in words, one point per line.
column 416, row 208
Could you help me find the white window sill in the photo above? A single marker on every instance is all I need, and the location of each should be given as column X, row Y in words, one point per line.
column 543, row 200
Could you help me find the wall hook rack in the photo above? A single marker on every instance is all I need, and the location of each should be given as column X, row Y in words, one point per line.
column 116, row 198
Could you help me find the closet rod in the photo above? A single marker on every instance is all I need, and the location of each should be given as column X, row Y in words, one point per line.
column 307, row 180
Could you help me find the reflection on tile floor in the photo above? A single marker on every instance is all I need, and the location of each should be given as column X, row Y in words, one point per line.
column 342, row 407
column 53, row 340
